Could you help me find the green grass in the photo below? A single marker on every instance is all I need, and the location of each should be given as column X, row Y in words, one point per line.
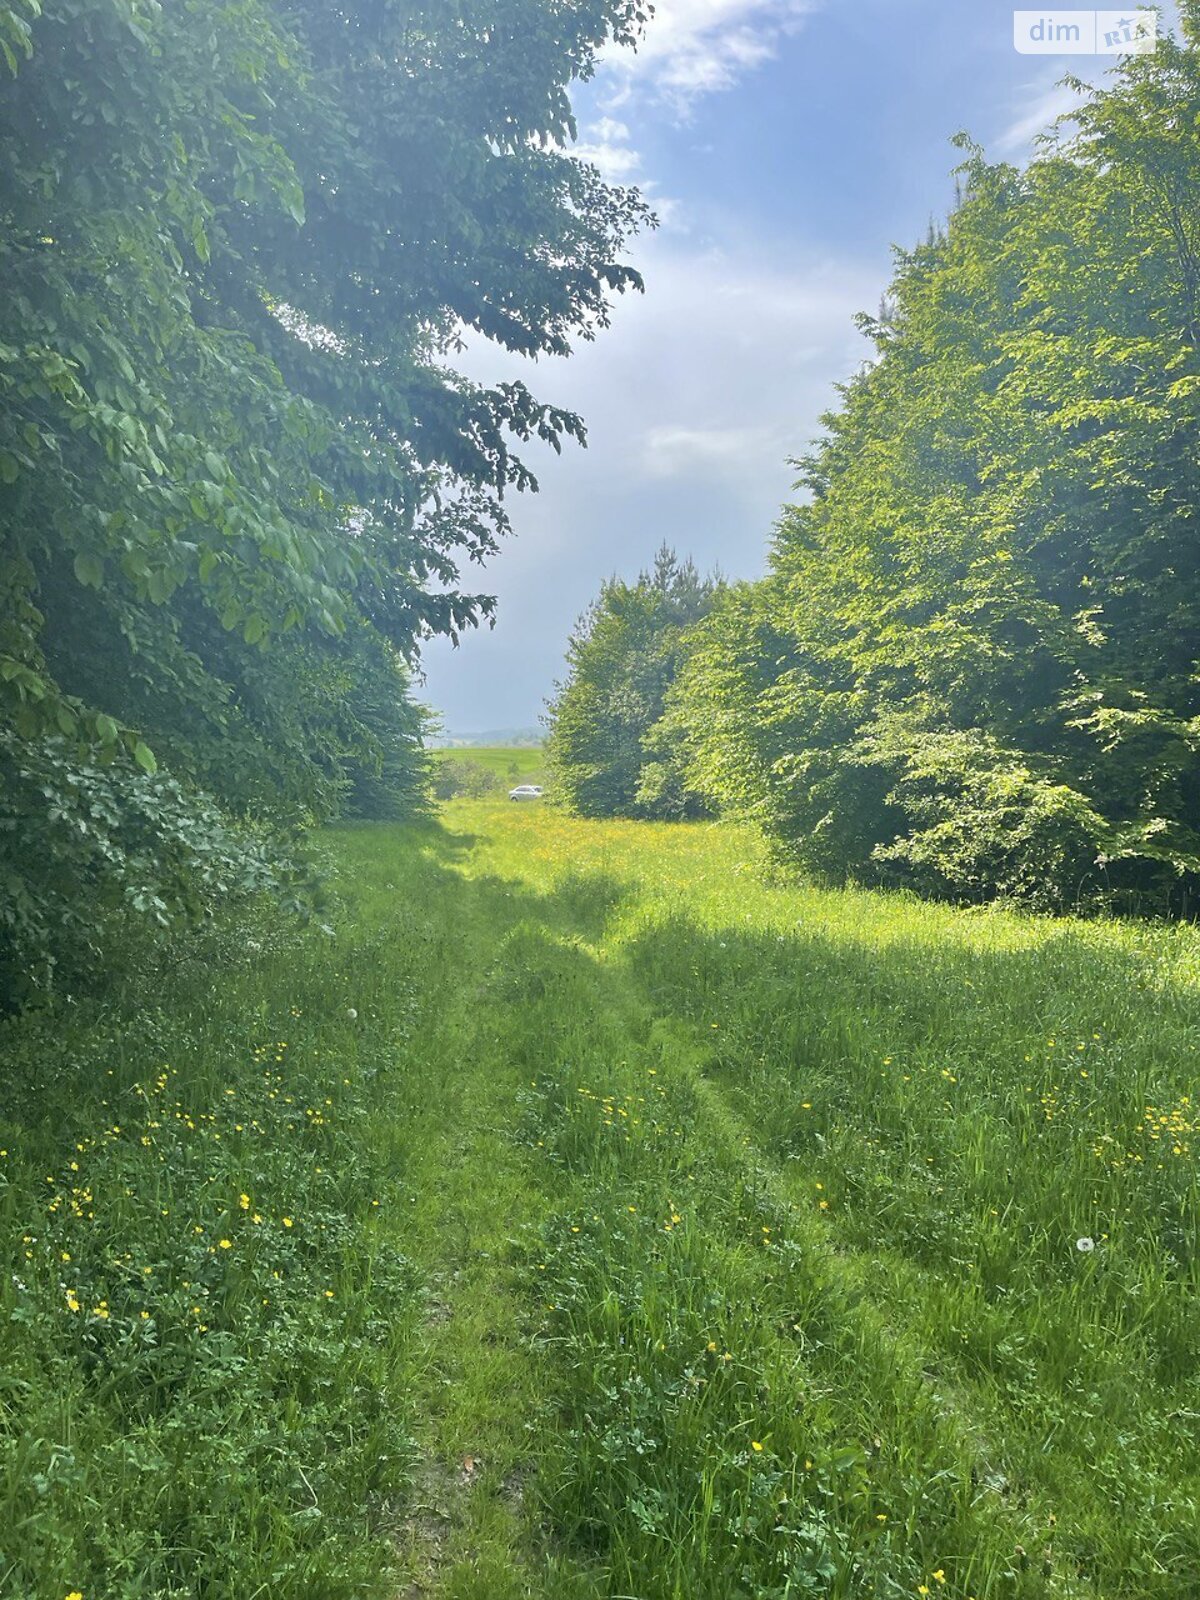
column 726, row 1243
column 521, row 763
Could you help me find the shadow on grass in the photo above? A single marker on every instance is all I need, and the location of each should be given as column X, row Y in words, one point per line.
column 756, row 1008
column 907, row 1072
column 819, row 984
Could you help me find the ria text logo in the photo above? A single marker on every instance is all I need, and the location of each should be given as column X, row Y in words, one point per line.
column 1085, row 33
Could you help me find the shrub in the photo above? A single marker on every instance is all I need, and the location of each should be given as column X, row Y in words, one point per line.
column 87, row 847
column 457, row 777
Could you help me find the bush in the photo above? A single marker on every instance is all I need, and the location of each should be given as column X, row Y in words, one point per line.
column 982, row 822
column 459, row 778
column 87, row 847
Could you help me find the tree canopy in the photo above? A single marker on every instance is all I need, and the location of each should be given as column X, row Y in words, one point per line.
column 239, row 476
column 609, row 753
column 972, row 667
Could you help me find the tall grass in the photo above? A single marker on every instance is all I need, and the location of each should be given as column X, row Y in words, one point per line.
column 587, row 1215
column 960, row 1149
column 203, row 1327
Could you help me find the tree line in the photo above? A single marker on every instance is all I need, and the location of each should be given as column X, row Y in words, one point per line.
column 972, row 666
column 240, row 479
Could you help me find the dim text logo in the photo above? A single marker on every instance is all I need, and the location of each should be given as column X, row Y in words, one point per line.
column 1085, row 33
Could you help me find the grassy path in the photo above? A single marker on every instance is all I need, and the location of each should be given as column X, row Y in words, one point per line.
column 783, row 1342
column 586, row 1218
column 476, row 1381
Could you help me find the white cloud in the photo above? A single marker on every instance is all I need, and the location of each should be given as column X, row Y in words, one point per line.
column 1042, row 101
column 605, row 143
column 673, row 451
column 694, row 400
column 723, row 369
column 696, row 47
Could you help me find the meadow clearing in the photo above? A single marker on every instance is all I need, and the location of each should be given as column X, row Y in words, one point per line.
column 515, row 763
column 583, row 1213
column 519, row 760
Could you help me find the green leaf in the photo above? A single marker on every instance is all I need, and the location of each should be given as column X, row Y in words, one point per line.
column 293, row 203
column 144, row 757
column 89, row 569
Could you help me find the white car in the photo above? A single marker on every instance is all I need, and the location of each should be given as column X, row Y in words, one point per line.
column 526, row 791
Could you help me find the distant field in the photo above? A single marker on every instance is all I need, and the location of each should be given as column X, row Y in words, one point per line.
column 530, row 763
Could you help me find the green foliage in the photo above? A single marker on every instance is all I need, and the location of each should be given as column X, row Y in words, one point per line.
column 89, row 848
column 972, row 667
column 607, row 753
column 237, row 474
column 389, row 777
column 981, row 821
column 16, row 34
column 461, row 777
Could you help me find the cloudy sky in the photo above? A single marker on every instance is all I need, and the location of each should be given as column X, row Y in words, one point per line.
column 787, row 145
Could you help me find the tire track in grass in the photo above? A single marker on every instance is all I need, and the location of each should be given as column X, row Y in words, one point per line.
column 737, row 1420
column 467, row 1530
column 1078, row 1363
column 713, row 1405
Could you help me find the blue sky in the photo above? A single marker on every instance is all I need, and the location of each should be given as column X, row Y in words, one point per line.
column 787, row 144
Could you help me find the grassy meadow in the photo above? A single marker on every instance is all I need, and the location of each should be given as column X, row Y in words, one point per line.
column 582, row 1213
column 518, row 763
